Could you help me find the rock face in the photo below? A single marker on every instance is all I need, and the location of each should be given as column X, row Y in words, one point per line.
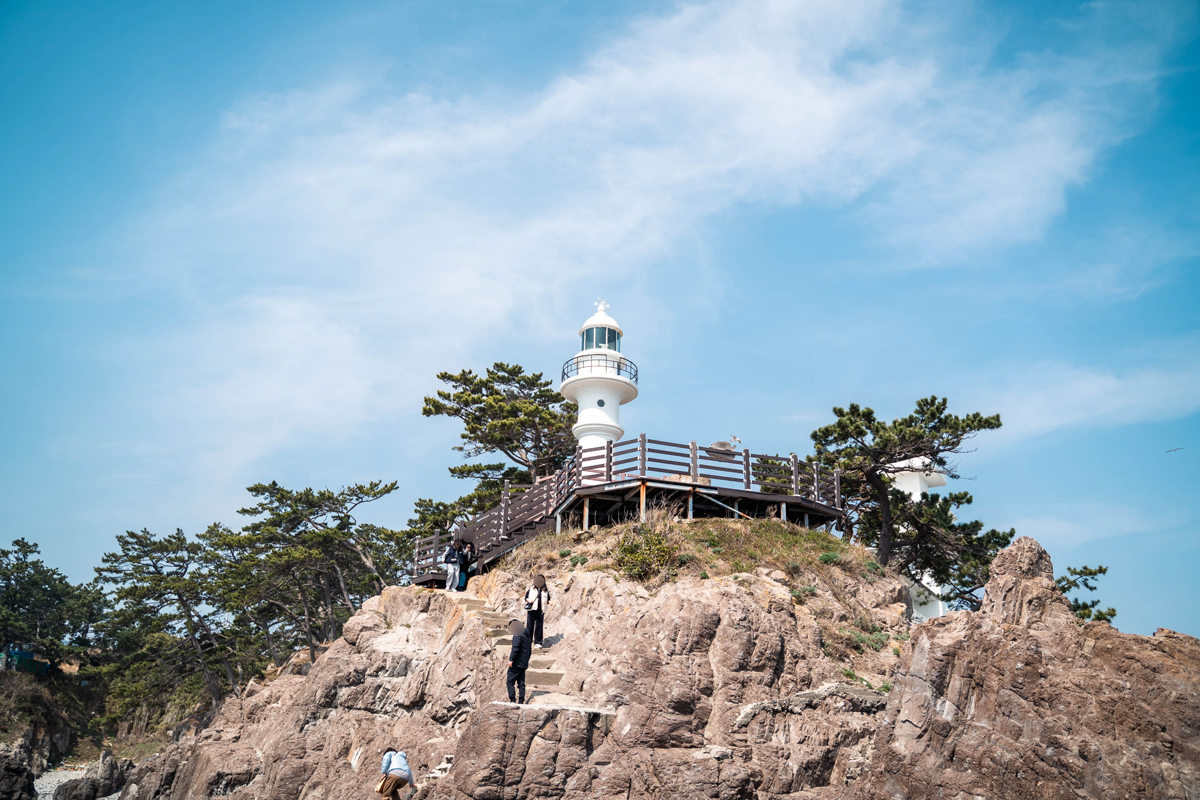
column 1019, row 701
column 103, row 778
column 25, row 758
column 716, row 689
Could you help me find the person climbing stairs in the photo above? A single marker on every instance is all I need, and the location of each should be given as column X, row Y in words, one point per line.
column 541, row 673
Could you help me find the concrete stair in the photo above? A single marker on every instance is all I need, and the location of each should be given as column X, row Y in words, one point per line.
column 541, row 672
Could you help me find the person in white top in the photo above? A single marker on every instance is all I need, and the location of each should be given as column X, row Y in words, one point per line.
column 537, row 600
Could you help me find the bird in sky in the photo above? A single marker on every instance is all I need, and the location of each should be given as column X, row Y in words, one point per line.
column 1172, row 450
column 734, row 439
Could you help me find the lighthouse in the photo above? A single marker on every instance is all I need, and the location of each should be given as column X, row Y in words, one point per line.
column 599, row 380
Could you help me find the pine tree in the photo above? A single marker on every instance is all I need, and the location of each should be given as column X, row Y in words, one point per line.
column 1085, row 578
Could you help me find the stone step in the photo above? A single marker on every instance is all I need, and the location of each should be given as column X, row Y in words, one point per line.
column 502, row 641
column 469, row 602
column 541, row 663
column 542, row 677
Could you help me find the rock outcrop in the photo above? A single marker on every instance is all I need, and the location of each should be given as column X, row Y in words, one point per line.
column 1019, row 701
column 717, row 689
column 105, row 777
column 28, row 755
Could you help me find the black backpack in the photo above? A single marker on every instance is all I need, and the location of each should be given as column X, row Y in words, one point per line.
column 450, row 556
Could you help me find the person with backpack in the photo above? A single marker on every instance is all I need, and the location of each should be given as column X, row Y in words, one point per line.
column 451, row 560
column 518, row 662
column 537, row 600
column 396, row 775
column 465, row 558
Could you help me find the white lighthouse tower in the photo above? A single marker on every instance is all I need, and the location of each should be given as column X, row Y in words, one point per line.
column 599, row 380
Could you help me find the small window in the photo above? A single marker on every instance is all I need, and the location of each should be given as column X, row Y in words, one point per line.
column 600, row 403
column 589, row 339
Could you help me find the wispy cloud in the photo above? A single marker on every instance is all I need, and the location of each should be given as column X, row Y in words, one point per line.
column 1161, row 382
column 335, row 222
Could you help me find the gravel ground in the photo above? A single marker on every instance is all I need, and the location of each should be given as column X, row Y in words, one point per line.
column 52, row 778
column 50, row 781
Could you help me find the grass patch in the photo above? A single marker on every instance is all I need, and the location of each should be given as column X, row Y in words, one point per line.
column 829, row 558
column 646, row 552
column 885, row 687
column 565, row 552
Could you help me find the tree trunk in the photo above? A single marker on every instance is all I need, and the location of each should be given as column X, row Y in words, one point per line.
column 214, row 687
column 883, row 550
column 312, row 650
column 345, row 594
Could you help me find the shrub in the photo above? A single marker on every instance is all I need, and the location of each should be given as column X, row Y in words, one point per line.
column 829, row 558
column 800, row 595
column 644, row 552
column 578, row 561
column 564, row 552
column 703, row 575
column 865, row 624
column 896, row 650
column 901, row 637
column 873, row 567
column 718, row 550
column 885, row 687
column 685, row 559
column 793, row 569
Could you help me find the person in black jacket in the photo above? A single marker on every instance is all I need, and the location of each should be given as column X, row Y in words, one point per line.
column 518, row 661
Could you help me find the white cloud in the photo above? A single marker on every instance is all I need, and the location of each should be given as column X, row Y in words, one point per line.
column 1062, row 527
column 1049, row 396
column 383, row 238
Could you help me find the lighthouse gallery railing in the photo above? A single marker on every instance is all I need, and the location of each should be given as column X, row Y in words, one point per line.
column 522, row 507
column 600, row 364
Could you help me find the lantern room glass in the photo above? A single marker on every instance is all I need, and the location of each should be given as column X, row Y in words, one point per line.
column 600, row 339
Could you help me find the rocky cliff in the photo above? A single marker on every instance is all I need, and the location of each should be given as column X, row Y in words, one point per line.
column 726, row 688
column 42, row 739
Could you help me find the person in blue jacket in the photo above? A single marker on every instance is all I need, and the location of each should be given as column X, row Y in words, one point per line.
column 396, row 775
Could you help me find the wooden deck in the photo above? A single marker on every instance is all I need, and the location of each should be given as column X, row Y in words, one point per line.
column 619, row 481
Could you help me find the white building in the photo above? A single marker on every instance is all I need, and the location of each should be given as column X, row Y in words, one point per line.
column 924, row 595
column 599, row 380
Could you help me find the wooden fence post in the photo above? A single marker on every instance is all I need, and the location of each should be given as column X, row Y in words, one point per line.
column 608, row 462
column 837, row 488
column 795, row 475
column 746, row 475
column 642, row 454
column 695, row 464
column 816, row 468
column 504, row 511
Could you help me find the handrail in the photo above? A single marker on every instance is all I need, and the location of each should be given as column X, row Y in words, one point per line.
column 601, row 364
column 507, row 524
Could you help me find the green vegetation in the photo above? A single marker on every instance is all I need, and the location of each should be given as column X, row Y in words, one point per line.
column 645, row 552
column 885, row 687
column 1085, row 577
column 566, row 551
column 896, row 652
column 508, row 412
column 915, row 537
column 830, row 558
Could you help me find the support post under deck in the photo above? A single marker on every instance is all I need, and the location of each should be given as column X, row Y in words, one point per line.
column 690, row 505
column 783, row 511
column 806, row 519
column 642, row 503
column 558, row 523
column 585, row 513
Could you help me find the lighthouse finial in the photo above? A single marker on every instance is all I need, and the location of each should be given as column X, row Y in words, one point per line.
column 600, row 305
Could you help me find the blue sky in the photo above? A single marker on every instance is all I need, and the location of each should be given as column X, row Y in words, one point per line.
column 240, row 240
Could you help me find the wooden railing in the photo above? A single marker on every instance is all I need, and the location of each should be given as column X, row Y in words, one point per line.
column 522, row 506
